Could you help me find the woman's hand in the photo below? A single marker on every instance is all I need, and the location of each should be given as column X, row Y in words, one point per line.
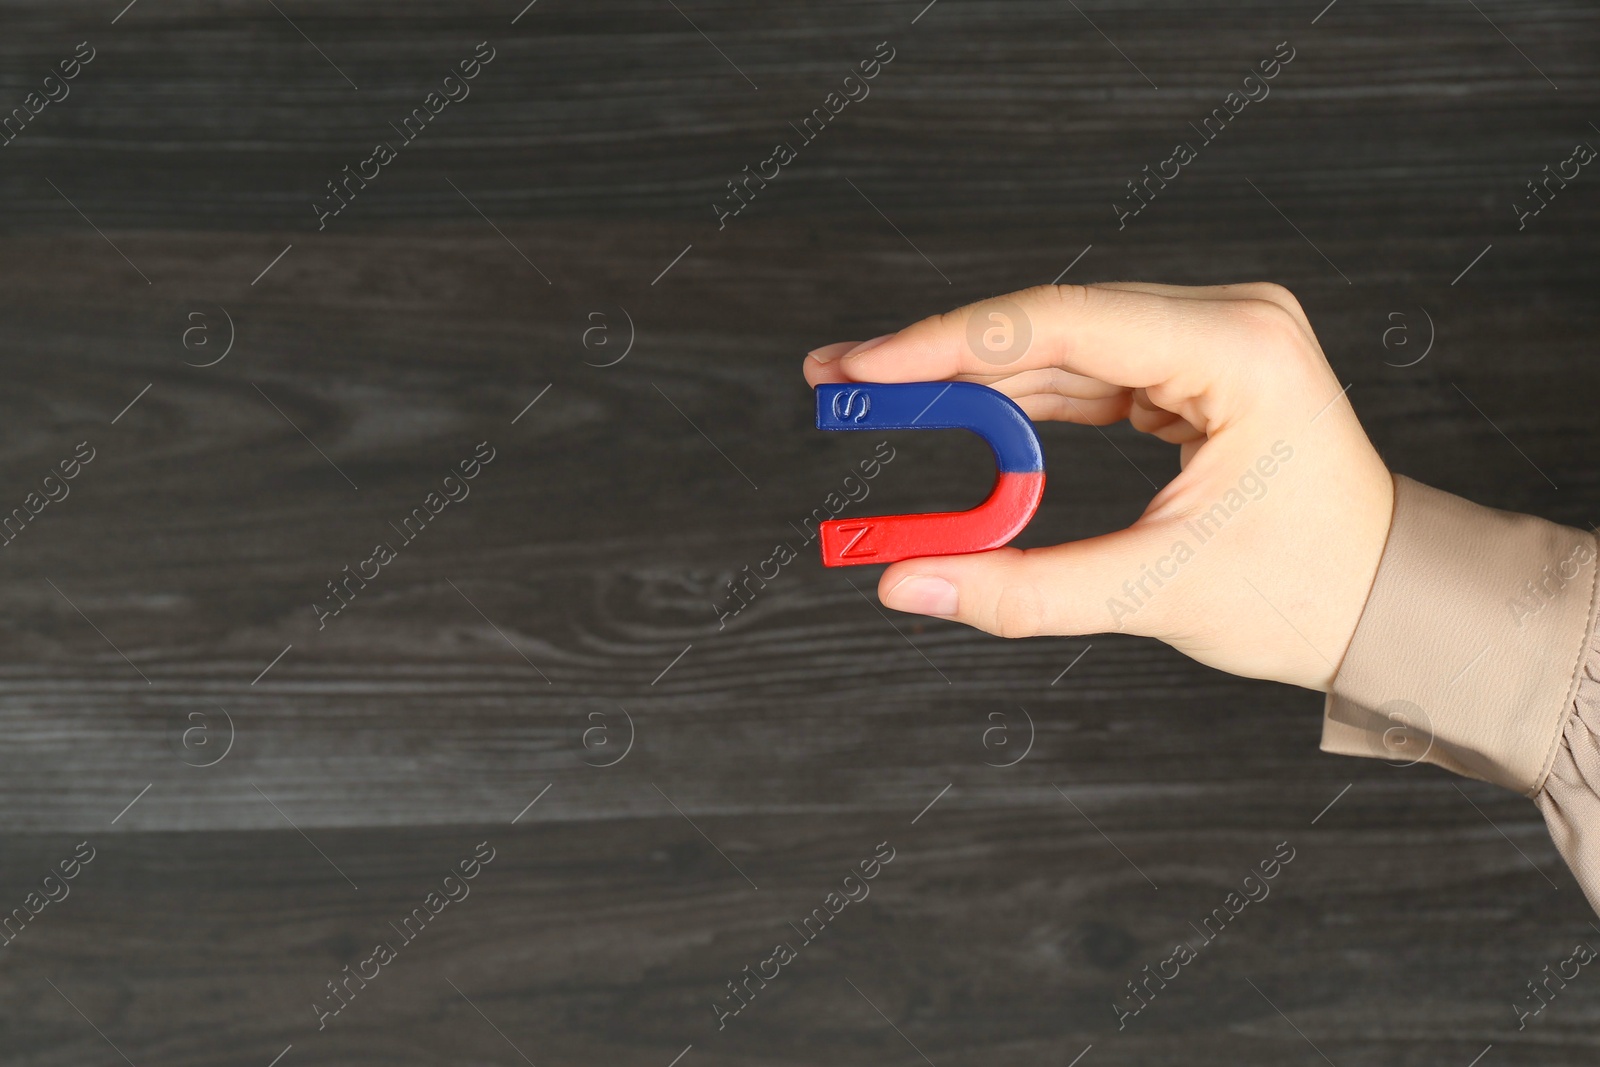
column 1256, row 559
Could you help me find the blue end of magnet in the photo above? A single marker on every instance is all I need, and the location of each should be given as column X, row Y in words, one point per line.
column 936, row 406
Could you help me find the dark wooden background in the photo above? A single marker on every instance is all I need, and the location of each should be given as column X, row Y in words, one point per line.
column 460, row 685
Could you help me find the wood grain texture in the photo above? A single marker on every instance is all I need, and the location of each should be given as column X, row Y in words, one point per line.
column 587, row 560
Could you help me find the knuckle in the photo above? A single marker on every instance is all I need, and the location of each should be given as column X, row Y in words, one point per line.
column 954, row 320
column 1063, row 297
column 939, row 328
column 1281, row 296
column 1018, row 612
column 1273, row 293
column 1060, row 309
column 1271, row 323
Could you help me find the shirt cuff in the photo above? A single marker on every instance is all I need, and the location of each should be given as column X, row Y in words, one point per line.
column 1467, row 652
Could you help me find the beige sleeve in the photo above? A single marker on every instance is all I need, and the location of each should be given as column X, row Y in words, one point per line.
column 1476, row 652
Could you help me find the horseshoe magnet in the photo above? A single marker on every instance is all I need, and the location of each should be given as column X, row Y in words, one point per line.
column 1018, row 483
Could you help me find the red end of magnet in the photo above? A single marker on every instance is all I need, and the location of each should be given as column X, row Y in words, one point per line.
column 888, row 538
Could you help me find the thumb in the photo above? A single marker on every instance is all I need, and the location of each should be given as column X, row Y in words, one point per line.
column 1114, row 582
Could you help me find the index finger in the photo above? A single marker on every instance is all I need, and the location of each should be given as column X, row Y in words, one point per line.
column 1127, row 338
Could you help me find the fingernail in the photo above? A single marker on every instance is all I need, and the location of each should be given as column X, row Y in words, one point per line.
column 829, row 353
column 922, row 594
column 864, row 345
